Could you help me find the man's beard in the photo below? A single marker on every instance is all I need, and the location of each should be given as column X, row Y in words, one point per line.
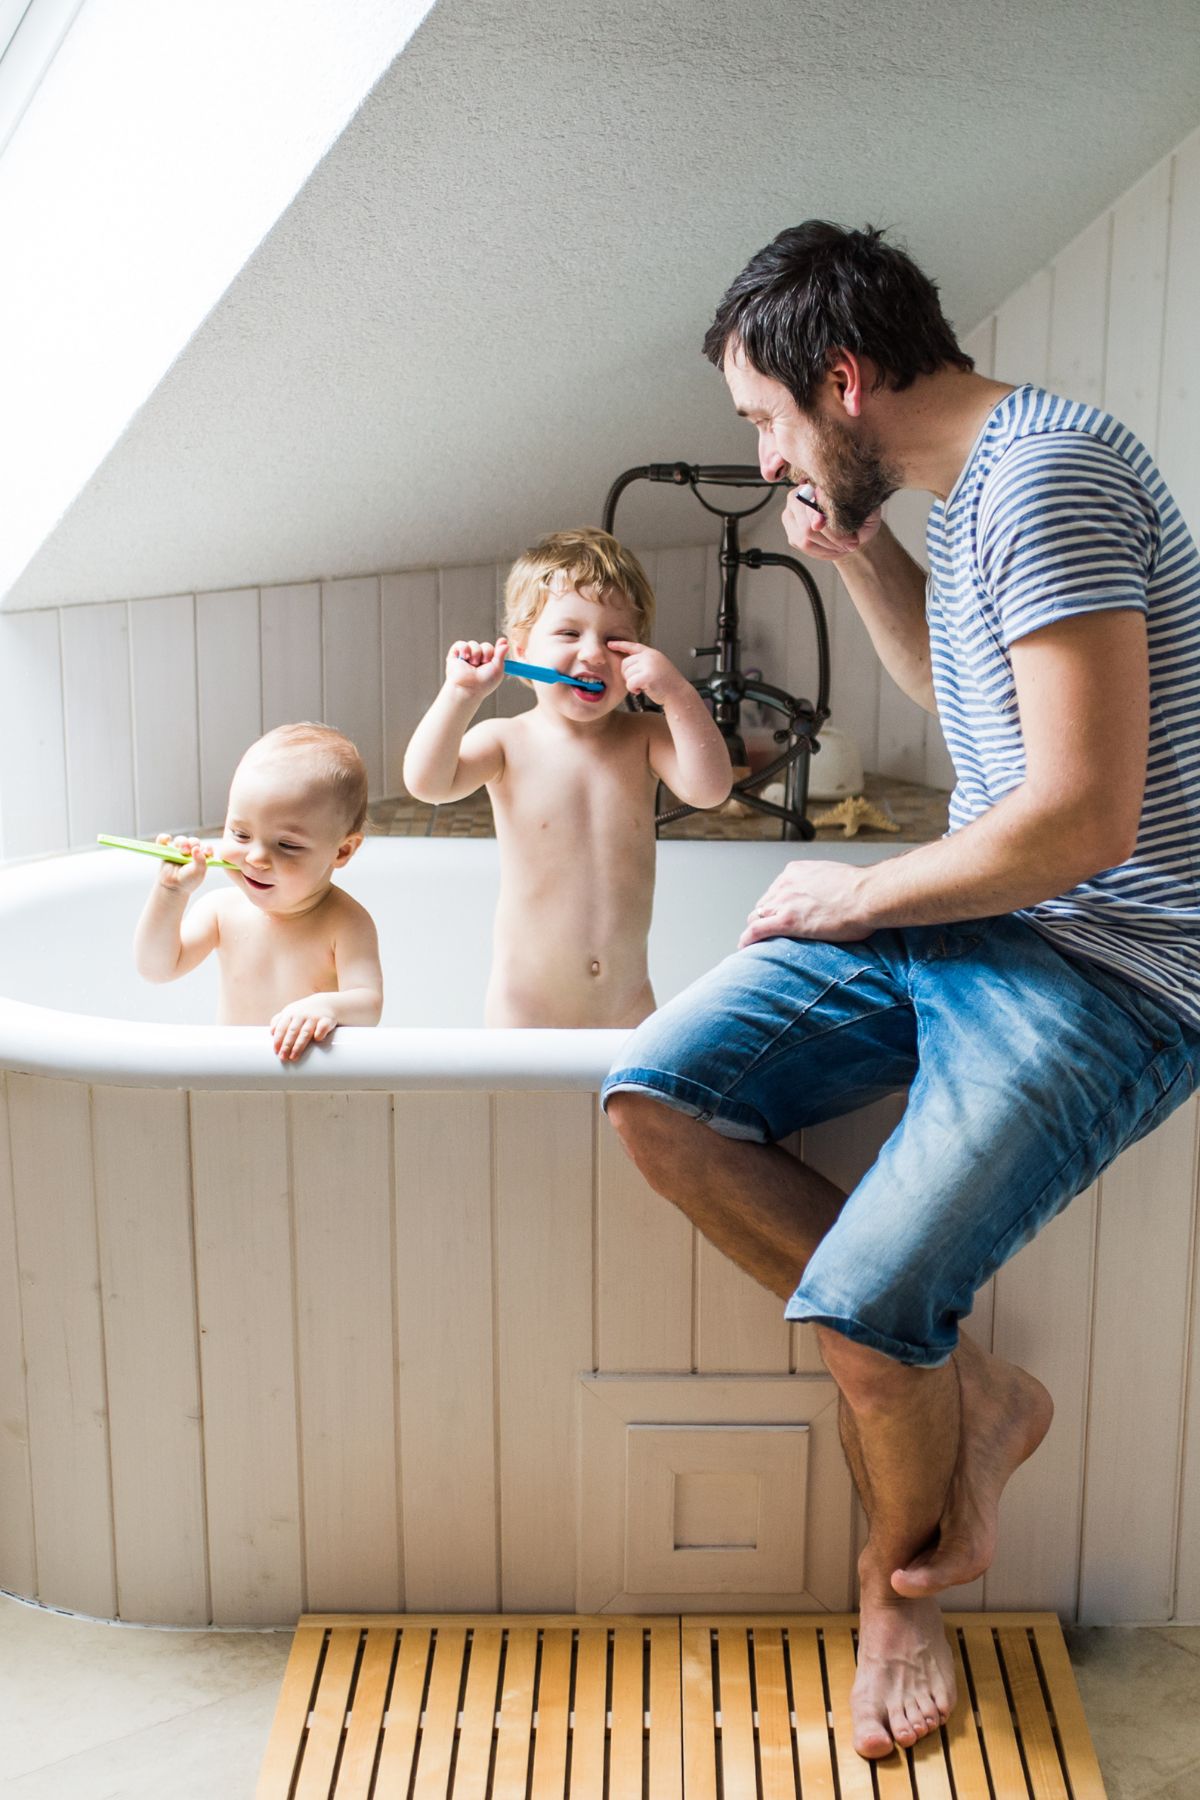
column 855, row 479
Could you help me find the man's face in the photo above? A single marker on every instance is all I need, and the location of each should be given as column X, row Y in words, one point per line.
column 823, row 446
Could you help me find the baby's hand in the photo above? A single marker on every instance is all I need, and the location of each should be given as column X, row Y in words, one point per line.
column 649, row 672
column 476, row 669
column 186, row 877
column 303, row 1022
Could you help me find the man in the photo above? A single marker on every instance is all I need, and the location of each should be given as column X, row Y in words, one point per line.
column 1034, row 975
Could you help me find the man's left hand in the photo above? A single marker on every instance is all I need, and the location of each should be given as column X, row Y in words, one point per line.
column 823, row 900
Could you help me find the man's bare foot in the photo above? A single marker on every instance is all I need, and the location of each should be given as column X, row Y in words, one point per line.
column 904, row 1688
column 1006, row 1412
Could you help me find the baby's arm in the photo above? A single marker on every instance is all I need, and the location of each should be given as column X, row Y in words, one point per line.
column 168, row 943
column 686, row 750
column 441, row 764
column 358, row 999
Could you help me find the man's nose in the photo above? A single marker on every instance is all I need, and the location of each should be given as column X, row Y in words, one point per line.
column 771, row 462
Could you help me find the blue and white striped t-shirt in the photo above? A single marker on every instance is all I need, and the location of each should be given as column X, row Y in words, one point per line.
column 1060, row 510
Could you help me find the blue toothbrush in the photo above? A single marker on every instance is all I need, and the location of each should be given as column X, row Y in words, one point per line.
column 535, row 672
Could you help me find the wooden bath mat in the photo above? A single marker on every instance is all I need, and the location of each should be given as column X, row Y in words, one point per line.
column 452, row 1707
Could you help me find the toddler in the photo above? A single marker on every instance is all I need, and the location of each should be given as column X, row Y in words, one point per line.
column 297, row 805
column 572, row 781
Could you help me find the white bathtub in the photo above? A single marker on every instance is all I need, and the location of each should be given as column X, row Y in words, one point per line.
column 402, row 1329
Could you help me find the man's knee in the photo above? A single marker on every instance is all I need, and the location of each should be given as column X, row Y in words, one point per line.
column 865, row 1376
column 646, row 1127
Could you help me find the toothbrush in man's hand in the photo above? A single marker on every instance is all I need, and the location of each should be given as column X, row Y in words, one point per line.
column 808, row 494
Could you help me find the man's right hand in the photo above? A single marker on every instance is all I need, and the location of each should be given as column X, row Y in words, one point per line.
column 476, row 669
column 809, row 531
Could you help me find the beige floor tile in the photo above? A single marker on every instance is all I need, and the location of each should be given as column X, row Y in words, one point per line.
column 1141, row 1694
column 1186, row 1636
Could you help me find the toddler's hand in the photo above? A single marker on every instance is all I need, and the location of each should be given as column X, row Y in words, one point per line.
column 303, row 1022
column 476, row 669
column 649, row 672
column 186, row 877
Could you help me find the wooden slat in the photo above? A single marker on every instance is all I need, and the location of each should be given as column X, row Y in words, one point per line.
column 928, row 1759
column 991, row 1701
column 18, row 1566
column 516, row 1711
column 628, row 1714
column 638, row 1230
column 740, row 1327
column 352, row 661
column 554, row 1694
column 1136, row 293
column 591, row 1706
column 737, row 1716
column 441, row 1715
column 774, row 1720
column 291, row 654
column 96, row 700
column 328, row 1715
column 403, row 1712
column 962, row 1735
column 1177, row 451
column 162, row 660
column 1075, row 1740
column 479, row 1711
column 699, row 1738
column 666, row 1763
column 813, row 1753
column 229, row 690
column 854, row 1773
column 1037, row 1738
column 291, row 1714
column 413, row 657
column 366, row 1715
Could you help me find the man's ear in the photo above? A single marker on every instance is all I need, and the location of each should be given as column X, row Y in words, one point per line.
column 847, row 380
column 346, row 849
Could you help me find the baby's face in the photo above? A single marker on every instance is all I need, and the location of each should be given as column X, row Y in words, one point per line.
column 573, row 634
column 284, row 834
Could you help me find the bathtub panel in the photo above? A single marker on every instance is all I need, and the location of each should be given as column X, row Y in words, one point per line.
column 144, row 1219
column 412, row 664
column 544, row 1176
column 98, row 710
column 350, row 636
column 341, row 1160
column 166, row 749
column 740, row 1327
column 18, row 1563
column 243, row 1238
column 64, row 1342
column 444, row 1328
column 229, row 689
column 291, row 654
column 638, row 1230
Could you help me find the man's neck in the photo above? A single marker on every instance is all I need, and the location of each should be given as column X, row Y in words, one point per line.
column 928, row 430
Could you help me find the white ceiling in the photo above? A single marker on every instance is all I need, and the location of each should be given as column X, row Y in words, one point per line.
column 489, row 298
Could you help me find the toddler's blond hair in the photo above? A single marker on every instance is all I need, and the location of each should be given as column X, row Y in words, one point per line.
column 337, row 763
column 590, row 561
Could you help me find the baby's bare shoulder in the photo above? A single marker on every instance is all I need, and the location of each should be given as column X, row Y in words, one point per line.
column 346, row 914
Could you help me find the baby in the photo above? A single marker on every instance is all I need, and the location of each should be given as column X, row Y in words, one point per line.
column 297, row 806
column 572, row 781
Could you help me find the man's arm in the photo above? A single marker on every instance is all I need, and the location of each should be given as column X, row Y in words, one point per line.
column 1083, row 689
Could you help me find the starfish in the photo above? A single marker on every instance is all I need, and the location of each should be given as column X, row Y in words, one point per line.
column 853, row 812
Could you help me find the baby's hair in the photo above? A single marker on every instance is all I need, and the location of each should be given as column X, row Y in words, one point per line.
column 590, row 561
column 337, row 760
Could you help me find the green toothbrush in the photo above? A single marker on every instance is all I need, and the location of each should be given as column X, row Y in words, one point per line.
column 167, row 852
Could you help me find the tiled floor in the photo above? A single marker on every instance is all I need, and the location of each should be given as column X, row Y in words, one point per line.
column 101, row 1712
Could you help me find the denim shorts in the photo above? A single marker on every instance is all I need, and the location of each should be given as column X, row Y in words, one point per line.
column 1028, row 1072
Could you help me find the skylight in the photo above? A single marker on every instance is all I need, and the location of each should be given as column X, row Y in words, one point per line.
column 30, row 34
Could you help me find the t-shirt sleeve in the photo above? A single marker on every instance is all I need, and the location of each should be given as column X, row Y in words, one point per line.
column 1065, row 527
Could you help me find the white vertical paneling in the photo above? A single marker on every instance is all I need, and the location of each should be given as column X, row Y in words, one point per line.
column 1187, row 1575
column 901, row 747
column 857, row 675
column 543, row 1162
column 341, row 1190
column 1023, row 332
column 638, row 1230
column 18, row 1563
column 444, row 1330
column 166, row 751
column 413, row 661
column 680, row 594
column 1178, row 452
column 144, row 1220
column 740, row 1327
column 1042, row 1322
column 64, row 1343
column 981, row 345
column 1137, row 291
column 33, row 766
column 467, row 609
column 290, row 623
column 1147, row 1203
column 511, row 697
column 229, row 686
column 1079, row 315
column 353, row 650
column 98, row 711
column 243, row 1244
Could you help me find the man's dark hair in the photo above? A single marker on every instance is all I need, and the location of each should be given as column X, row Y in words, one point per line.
column 817, row 289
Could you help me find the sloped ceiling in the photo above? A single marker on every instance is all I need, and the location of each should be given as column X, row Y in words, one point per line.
column 489, row 297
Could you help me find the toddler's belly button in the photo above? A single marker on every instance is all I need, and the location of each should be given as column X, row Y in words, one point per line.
column 594, row 966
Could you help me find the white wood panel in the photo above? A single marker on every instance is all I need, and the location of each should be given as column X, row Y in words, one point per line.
column 1187, row 1586
column 511, row 697
column 857, row 675
column 229, row 685
column 1079, row 315
column 1023, row 332
column 981, row 344
column 144, row 1219
column 290, row 622
column 740, row 1327
column 18, row 1562
column 99, row 721
column 1178, row 449
column 1043, row 1305
column 413, row 661
column 166, row 749
column 1143, row 1259
column 341, row 1187
column 444, row 1332
column 353, row 653
column 680, row 619
column 64, row 1343
column 243, row 1254
column 544, row 1334
column 1137, row 292
column 33, row 764
column 638, row 1230
column 467, row 609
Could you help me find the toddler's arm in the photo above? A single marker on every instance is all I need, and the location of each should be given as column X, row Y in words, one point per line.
column 167, row 943
column 358, row 999
column 686, row 749
column 440, row 764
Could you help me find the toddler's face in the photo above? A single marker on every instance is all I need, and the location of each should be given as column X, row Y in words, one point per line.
column 572, row 634
column 284, row 835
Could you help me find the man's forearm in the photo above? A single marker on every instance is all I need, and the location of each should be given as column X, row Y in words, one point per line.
column 888, row 591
